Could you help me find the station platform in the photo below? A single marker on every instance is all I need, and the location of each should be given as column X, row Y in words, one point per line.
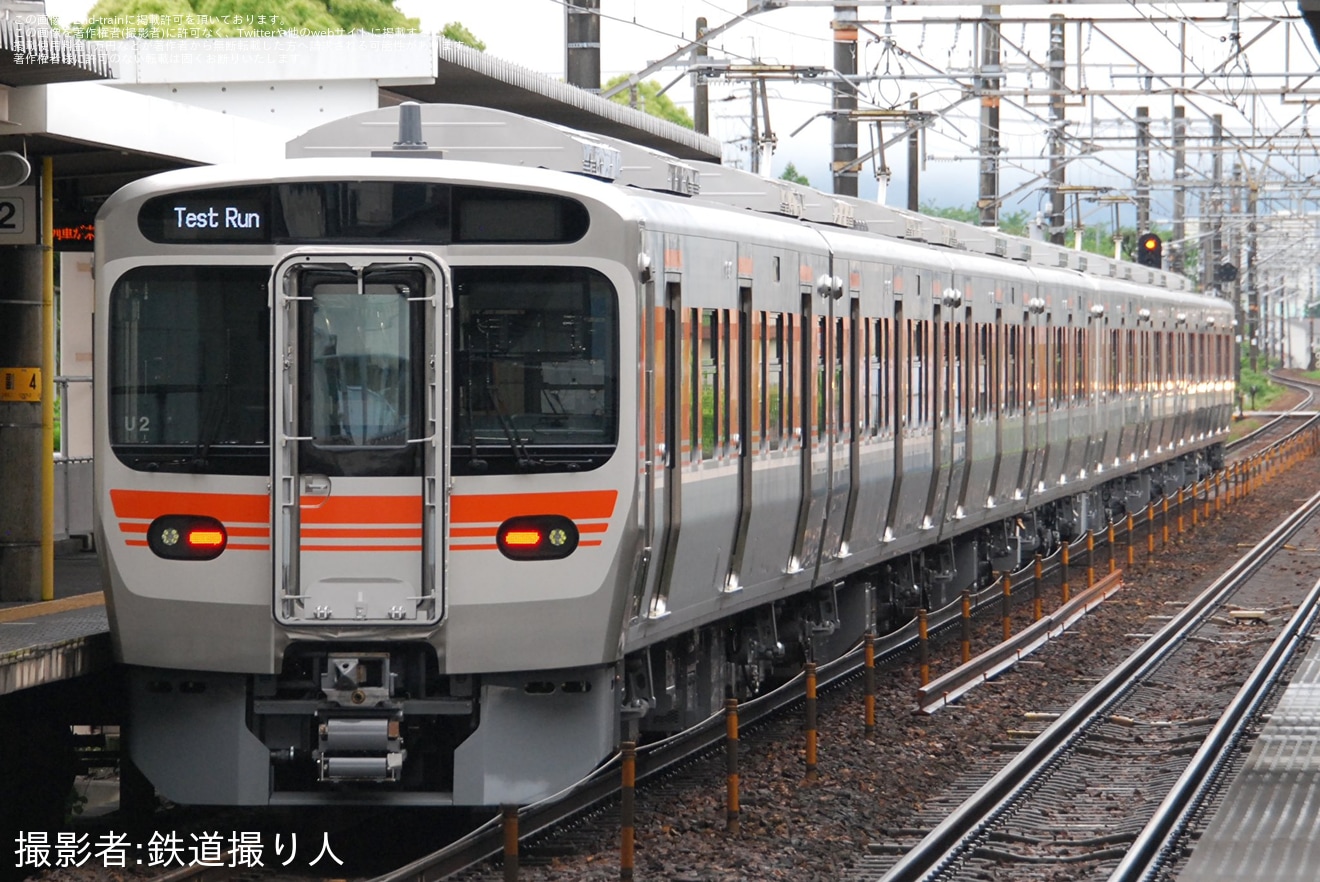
column 46, row 642
column 1266, row 824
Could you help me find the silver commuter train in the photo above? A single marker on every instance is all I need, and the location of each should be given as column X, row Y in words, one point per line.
column 386, row 516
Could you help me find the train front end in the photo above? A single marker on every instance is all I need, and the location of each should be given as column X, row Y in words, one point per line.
column 360, row 503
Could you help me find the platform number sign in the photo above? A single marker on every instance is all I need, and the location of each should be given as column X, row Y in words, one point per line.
column 20, row 384
column 18, row 216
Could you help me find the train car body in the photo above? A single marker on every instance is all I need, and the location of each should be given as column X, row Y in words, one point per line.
column 387, row 515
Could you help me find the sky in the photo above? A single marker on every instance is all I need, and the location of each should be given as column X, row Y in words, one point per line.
column 636, row 32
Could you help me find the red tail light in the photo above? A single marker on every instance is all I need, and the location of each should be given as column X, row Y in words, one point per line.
column 537, row 537
column 187, row 537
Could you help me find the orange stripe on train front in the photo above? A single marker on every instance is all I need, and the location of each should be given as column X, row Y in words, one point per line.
column 363, row 510
column 355, row 532
column 489, row 508
column 250, row 508
column 494, row 508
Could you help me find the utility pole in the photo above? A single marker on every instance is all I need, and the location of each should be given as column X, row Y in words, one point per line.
column 988, row 199
column 914, row 160
column 582, row 44
column 1057, row 107
column 1211, row 261
column 1143, row 170
column 700, row 89
column 1235, row 248
column 845, row 98
column 1177, row 253
column 1253, row 289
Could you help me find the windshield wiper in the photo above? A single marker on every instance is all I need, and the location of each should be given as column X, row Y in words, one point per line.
column 524, row 459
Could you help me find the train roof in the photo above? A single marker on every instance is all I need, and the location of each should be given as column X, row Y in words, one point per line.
column 482, row 134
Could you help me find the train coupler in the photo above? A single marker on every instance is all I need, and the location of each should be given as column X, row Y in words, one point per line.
column 360, row 749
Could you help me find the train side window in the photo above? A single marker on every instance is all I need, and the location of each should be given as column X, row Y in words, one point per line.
column 692, row 357
column 1157, row 360
column 666, row 360
column 845, row 371
column 875, row 357
column 793, row 330
column 1012, row 367
column 712, row 366
column 820, row 342
column 755, row 382
column 981, row 366
column 1081, row 365
column 1059, row 360
column 920, row 368
column 1030, row 372
column 884, row 385
column 740, row 371
column 772, row 376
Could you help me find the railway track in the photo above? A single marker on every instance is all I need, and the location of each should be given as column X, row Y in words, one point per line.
column 1279, row 425
column 1139, row 744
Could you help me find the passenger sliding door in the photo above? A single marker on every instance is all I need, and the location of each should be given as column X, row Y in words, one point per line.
column 359, row 463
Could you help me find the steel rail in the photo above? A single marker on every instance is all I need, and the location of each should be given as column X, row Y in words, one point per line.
column 956, row 834
column 1157, row 839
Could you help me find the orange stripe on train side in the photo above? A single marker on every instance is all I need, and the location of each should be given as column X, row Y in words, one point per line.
column 226, row 507
column 495, row 508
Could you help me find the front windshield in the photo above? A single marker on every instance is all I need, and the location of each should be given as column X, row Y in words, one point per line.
column 189, row 369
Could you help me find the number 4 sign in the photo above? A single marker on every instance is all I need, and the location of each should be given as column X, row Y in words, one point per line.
column 20, row 384
column 18, row 216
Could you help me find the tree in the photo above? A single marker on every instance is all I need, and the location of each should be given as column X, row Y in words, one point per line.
column 456, row 32
column 792, row 174
column 651, row 101
column 118, row 19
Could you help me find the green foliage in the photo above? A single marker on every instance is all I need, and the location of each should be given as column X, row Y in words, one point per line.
column 1097, row 239
column 1257, row 392
column 456, row 32
column 649, row 100
column 792, row 174
column 1014, row 223
column 158, row 19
